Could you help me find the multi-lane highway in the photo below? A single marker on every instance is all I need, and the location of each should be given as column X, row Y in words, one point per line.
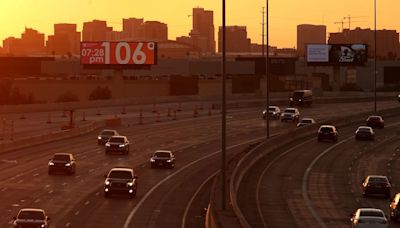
column 318, row 184
column 166, row 197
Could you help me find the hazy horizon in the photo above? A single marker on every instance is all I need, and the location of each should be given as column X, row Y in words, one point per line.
column 41, row 16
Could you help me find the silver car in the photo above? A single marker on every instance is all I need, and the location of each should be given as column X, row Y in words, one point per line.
column 369, row 217
column 290, row 114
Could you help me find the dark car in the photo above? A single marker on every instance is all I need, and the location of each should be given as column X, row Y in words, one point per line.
column 62, row 162
column 376, row 184
column 398, row 97
column 273, row 112
column 163, row 158
column 121, row 181
column 394, row 208
column 290, row 114
column 105, row 135
column 375, row 122
column 365, row 132
column 327, row 132
column 118, row 144
column 306, row 122
column 31, row 217
column 301, row 97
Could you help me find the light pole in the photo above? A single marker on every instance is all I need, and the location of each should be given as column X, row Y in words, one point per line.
column 223, row 119
column 267, row 67
column 375, row 56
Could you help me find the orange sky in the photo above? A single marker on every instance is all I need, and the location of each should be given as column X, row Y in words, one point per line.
column 15, row 15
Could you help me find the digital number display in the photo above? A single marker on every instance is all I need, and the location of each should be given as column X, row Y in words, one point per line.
column 118, row 53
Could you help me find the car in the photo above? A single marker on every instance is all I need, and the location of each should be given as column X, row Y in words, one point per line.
column 376, row 184
column 301, row 97
column 365, row 132
column 306, row 122
column 375, row 122
column 291, row 114
column 368, row 217
column 273, row 112
column 328, row 132
column 162, row 158
column 394, row 208
column 31, row 217
column 120, row 180
column 105, row 135
column 398, row 97
column 119, row 144
column 62, row 162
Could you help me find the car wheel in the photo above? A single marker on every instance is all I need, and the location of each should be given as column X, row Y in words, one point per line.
column 106, row 194
column 172, row 166
column 134, row 193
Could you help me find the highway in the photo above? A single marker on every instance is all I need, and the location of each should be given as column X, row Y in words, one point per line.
column 166, row 197
column 317, row 184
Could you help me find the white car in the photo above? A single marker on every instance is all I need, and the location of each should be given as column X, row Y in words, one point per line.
column 369, row 217
column 306, row 122
column 273, row 112
column 291, row 114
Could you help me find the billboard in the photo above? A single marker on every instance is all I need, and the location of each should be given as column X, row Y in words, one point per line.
column 337, row 54
column 105, row 53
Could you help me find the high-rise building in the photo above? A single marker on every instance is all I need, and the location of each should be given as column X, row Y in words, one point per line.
column 388, row 46
column 202, row 33
column 236, row 39
column 95, row 30
column 309, row 34
column 30, row 43
column 131, row 27
column 154, row 31
column 66, row 40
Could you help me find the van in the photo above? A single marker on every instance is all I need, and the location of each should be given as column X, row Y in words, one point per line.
column 301, row 98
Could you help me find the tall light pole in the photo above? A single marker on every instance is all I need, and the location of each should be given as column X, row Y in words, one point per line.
column 223, row 119
column 375, row 56
column 267, row 67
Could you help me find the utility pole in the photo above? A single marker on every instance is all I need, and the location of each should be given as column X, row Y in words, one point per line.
column 267, row 69
column 223, row 115
column 262, row 36
column 349, row 19
column 340, row 22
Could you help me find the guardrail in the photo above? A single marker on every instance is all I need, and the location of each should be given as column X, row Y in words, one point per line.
column 274, row 143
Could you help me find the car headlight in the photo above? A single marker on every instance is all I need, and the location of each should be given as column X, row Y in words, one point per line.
column 98, row 137
column 107, row 182
column 291, row 99
column 169, row 160
column 51, row 163
column 152, row 160
column 130, row 184
column 43, row 225
column 121, row 145
column 107, row 144
column 68, row 164
column 299, row 99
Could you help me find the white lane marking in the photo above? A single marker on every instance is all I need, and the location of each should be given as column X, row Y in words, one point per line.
column 3, row 189
column 37, row 200
column 91, row 170
column 147, row 195
column 9, row 161
column 87, row 203
column 264, row 172
column 47, row 186
column 77, row 213
column 194, row 196
column 36, row 174
column 50, row 192
column 97, row 193
column 20, row 181
column 68, row 224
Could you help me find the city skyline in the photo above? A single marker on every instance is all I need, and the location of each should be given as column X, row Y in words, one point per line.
column 283, row 19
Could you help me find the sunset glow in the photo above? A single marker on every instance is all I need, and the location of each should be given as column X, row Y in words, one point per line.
column 15, row 15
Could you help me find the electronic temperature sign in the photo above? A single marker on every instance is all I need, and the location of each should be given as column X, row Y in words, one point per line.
column 118, row 53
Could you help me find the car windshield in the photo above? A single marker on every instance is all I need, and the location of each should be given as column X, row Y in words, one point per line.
column 378, row 180
column 364, row 129
column 107, row 133
column 162, row 154
column 306, row 121
column 120, row 175
column 374, row 118
column 117, row 140
column 371, row 214
column 326, row 129
column 61, row 157
column 297, row 95
column 290, row 111
column 37, row 215
column 272, row 109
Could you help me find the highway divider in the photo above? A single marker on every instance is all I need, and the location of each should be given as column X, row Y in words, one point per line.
column 50, row 137
column 254, row 155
